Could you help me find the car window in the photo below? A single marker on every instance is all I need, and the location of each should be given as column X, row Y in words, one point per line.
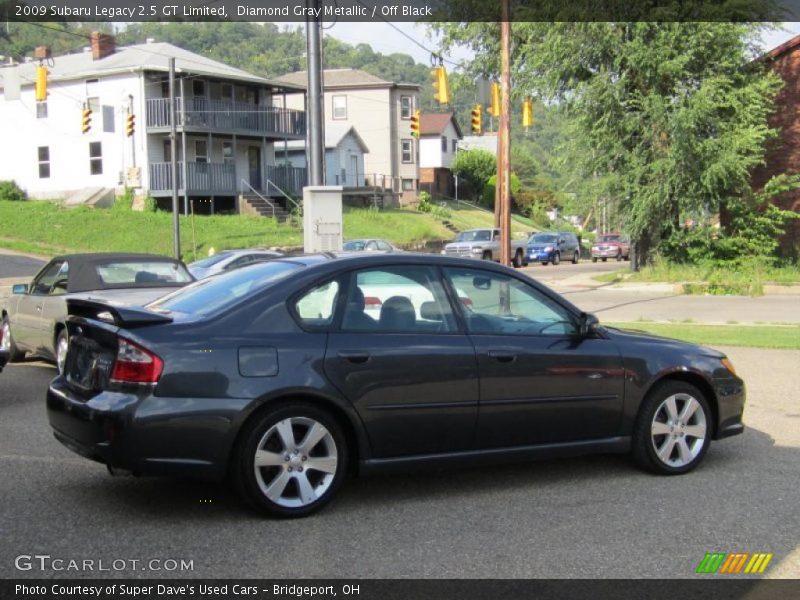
column 480, row 235
column 215, row 294
column 45, row 280
column 142, row 273
column 542, row 238
column 497, row 304
column 316, row 308
column 61, row 282
column 371, row 245
column 355, row 246
column 211, row 260
column 406, row 299
column 239, row 262
column 384, row 246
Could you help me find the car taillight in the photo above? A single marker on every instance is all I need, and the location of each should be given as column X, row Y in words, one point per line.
column 466, row 302
column 135, row 364
column 372, row 302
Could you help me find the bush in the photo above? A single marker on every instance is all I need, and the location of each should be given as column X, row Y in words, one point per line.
column 487, row 197
column 10, row 191
column 424, row 202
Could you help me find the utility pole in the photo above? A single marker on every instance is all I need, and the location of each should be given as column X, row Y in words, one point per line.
column 173, row 159
column 316, row 146
column 504, row 158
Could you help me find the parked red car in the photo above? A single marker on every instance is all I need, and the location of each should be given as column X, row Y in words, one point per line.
column 611, row 245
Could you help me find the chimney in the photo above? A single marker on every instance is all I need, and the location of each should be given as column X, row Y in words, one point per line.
column 102, row 45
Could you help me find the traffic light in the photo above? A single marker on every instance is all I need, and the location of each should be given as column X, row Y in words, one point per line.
column 41, row 83
column 477, row 119
column 494, row 106
column 527, row 113
column 130, row 124
column 442, row 89
column 86, row 119
column 415, row 124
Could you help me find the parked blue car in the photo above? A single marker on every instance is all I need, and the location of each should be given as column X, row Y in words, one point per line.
column 552, row 246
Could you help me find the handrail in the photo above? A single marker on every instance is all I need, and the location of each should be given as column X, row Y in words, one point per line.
column 244, row 183
column 285, row 195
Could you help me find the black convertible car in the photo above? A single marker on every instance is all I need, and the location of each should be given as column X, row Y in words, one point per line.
column 289, row 374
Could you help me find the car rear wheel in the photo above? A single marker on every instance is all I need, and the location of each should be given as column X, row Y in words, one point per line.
column 575, row 258
column 594, row 259
column 518, row 260
column 604, row 259
column 556, row 259
column 291, row 460
column 673, row 429
column 62, row 344
column 14, row 353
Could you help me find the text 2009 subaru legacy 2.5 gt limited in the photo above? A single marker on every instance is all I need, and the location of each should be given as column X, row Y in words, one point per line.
column 289, row 374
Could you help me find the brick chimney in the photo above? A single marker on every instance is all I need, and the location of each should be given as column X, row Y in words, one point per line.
column 102, row 45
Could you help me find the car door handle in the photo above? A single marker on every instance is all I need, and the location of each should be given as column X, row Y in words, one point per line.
column 39, row 308
column 502, row 356
column 354, row 357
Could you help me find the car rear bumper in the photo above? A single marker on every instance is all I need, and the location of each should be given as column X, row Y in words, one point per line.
column 144, row 433
column 731, row 396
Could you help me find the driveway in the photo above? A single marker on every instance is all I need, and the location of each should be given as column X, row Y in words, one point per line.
column 592, row 517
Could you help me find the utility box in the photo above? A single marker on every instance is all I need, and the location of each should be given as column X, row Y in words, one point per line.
column 322, row 218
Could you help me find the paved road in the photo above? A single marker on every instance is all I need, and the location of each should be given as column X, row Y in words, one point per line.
column 18, row 265
column 589, row 517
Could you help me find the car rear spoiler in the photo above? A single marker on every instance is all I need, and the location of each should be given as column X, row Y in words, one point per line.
column 118, row 314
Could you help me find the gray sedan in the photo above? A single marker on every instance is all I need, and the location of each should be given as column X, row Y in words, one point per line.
column 227, row 260
column 33, row 318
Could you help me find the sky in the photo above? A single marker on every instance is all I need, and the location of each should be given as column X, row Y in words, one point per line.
column 385, row 39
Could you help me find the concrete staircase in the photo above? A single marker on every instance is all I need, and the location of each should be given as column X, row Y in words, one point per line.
column 451, row 227
column 255, row 205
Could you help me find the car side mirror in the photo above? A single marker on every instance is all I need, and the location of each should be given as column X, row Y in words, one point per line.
column 19, row 288
column 588, row 324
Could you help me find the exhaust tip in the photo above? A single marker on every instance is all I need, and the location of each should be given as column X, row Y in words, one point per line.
column 117, row 472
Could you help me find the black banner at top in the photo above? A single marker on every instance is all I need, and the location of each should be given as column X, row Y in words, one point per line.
column 398, row 10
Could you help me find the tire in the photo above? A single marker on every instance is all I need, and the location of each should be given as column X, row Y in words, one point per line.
column 664, row 440
column 619, row 256
column 594, row 259
column 62, row 343
column 14, row 353
column 487, row 255
column 575, row 258
column 556, row 259
column 544, row 264
column 278, row 488
column 518, row 260
column 605, row 259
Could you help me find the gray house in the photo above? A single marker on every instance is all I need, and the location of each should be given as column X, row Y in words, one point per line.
column 344, row 155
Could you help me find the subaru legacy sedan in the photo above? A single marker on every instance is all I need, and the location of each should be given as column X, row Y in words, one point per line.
column 277, row 376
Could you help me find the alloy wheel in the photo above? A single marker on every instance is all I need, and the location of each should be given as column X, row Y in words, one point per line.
column 678, row 430
column 5, row 344
column 62, row 345
column 295, row 462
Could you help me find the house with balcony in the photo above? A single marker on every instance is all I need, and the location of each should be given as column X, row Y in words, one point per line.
column 228, row 125
column 381, row 113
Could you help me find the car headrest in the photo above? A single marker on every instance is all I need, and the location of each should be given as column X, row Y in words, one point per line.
column 397, row 313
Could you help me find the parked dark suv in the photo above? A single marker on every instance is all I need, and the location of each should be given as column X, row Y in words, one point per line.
column 284, row 376
column 553, row 246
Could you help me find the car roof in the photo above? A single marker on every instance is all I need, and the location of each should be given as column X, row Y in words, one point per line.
column 83, row 276
column 100, row 257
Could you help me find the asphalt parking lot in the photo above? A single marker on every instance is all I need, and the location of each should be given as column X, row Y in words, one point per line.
column 589, row 517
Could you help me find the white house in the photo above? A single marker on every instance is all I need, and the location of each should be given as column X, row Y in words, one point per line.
column 381, row 113
column 439, row 136
column 344, row 155
column 226, row 119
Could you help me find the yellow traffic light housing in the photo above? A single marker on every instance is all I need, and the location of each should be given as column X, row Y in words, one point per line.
column 494, row 106
column 41, row 83
column 477, row 119
column 86, row 120
column 130, row 124
column 415, row 124
column 440, row 85
column 527, row 113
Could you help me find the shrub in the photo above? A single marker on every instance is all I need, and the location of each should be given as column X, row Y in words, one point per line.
column 10, row 191
column 424, row 202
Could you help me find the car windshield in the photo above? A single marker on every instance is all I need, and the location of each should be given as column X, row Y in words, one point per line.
column 609, row 238
column 210, row 261
column 354, row 246
column 481, row 235
column 143, row 273
column 216, row 293
column 542, row 238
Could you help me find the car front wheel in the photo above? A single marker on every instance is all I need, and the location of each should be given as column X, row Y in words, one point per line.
column 7, row 341
column 291, row 460
column 673, row 429
column 556, row 259
column 575, row 258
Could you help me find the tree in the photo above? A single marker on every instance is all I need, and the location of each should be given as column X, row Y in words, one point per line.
column 662, row 117
column 476, row 166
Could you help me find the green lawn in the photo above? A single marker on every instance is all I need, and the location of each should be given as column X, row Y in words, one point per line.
column 464, row 216
column 755, row 336
column 677, row 273
column 47, row 228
